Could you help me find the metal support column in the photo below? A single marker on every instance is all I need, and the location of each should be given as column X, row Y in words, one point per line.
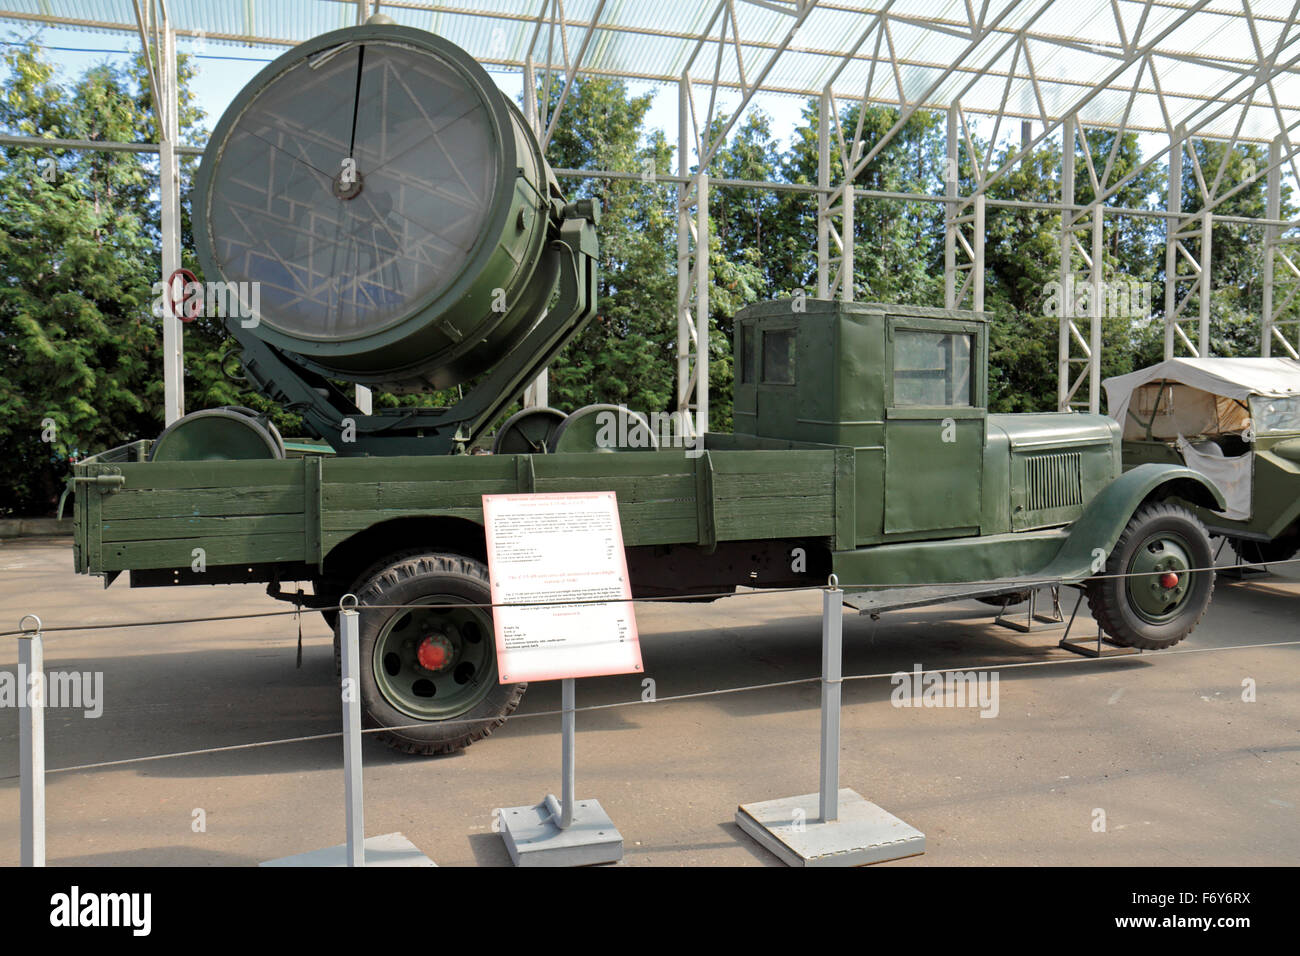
column 1066, row 266
column 1097, row 301
column 166, row 116
column 1174, row 204
column 537, row 392
column 685, row 325
column 952, row 207
column 977, row 266
column 823, row 202
column 1273, row 210
column 1207, row 283
column 702, row 304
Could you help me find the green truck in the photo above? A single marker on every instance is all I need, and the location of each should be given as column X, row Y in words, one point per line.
column 1234, row 420
column 442, row 252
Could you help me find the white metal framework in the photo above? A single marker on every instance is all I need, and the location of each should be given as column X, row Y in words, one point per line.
column 1227, row 70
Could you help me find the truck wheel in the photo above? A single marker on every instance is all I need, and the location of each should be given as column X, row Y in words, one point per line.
column 1162, row 601
column 1265, row 552
column 430, row 676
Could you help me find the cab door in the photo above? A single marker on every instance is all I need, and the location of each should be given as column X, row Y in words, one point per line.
column 934, row 427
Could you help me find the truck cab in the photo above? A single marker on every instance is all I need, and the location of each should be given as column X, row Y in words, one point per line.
column 906, row 387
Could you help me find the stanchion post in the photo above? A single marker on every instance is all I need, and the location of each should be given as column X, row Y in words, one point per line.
column 31, row 743
column 568, row 733
column 349, row 640
column 832, row 667
column 848, row 830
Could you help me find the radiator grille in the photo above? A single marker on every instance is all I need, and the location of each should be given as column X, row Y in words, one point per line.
column 1055, row 481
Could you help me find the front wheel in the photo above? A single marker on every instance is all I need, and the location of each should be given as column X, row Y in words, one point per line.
column 1149, row 596
column 428, row 666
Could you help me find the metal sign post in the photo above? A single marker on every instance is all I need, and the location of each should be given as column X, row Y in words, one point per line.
column 833, row 827
column 556, row 618
column 31, row 744
column 564, row 832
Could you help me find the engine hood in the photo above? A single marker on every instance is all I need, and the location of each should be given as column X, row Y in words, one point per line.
column 1047, row 430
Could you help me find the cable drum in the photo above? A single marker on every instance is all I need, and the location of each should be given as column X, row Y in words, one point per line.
column 390, row 202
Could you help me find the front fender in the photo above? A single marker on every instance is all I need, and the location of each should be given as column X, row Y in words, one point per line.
column 1103, row 520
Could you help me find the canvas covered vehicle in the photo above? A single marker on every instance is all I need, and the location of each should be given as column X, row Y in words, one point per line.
column 1235, row 421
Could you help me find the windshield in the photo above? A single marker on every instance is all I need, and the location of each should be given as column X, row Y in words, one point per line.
column 1276, row 414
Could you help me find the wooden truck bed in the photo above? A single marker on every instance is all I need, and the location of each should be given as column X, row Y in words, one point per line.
column 151, row 515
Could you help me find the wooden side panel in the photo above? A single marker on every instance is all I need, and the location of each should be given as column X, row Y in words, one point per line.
column 237, row 511
column 298, row 510
column 774, row 494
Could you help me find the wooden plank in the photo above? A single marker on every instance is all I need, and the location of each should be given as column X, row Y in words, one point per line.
column 399, row 495
column 148, row 529
column 663, row 489
column 756, row 486
column 177, row 552
column 620, row 464
column 475, row 468
column 808, row 463
column 210, row 474
column 206, row 502
column 359, row 519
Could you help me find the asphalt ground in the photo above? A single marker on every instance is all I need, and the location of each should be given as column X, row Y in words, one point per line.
column 1161, row 747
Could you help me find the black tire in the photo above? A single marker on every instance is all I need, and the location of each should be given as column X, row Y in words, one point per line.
column 1265, row 552
column 1010, row 599
column 1163, row 528
column 408, row 579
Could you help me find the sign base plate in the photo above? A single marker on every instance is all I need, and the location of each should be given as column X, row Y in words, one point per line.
column 391, row 849
column 533, row 839
column 864, row 833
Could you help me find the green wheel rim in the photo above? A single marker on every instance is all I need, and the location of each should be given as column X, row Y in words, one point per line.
column 1162, row 553
column 457, row 669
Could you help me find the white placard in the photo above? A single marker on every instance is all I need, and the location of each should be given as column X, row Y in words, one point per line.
column 548, row 548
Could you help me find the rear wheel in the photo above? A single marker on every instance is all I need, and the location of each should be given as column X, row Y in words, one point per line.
column 1148, row 596
column 1265, row 552
column 429, row 670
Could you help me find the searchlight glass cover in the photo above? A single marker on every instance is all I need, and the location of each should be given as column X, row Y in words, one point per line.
column 352, row 187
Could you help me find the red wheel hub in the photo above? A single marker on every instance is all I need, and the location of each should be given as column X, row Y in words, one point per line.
column 1168, row 580
column 434, row 653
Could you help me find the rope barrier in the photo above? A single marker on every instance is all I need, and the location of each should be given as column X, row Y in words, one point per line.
column 1017, row 584
column 677, row 698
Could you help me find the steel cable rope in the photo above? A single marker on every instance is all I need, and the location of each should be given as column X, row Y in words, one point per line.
column 1012, row 585
column 658, row 700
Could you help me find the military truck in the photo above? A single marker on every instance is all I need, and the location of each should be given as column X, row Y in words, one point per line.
column 406, row 233
column 1234, row 420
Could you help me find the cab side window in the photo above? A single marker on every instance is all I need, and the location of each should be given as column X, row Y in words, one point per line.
column 932, row 368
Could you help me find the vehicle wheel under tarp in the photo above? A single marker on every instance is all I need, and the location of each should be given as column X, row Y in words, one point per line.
column 1265, row 552
column 1148, row 596
column 1009, row 599
column 430, row 674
